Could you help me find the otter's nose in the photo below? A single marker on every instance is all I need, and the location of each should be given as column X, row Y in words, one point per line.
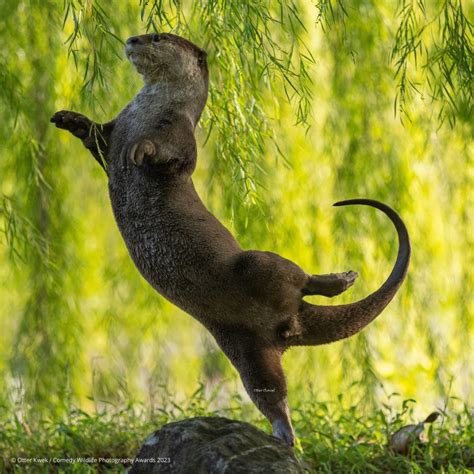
column 134, row 40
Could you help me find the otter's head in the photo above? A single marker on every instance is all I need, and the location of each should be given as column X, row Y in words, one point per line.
column 165, row 58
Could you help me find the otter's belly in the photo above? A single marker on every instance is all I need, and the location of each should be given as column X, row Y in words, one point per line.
column 163, row 246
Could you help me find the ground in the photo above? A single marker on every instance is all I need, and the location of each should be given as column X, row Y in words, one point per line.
column 332, row 438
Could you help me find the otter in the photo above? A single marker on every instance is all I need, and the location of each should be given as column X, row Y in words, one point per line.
column 251, row 301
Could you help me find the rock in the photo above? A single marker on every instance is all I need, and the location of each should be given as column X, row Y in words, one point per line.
column 213, row 445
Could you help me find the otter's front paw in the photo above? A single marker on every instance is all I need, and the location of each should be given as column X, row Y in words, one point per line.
column 79, row 125
column 138, row 152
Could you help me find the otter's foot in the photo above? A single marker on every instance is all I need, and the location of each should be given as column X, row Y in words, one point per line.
column 329, row 285
column 282, row 429
column 79, row 125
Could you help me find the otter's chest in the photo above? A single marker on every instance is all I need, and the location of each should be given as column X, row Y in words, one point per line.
column 137, row 121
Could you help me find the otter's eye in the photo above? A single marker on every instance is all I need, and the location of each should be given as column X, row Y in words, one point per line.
column 155, row 38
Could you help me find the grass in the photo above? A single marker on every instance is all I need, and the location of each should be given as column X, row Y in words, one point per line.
column 333, row 438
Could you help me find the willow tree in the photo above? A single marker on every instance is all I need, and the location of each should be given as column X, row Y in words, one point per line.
column 309, row 102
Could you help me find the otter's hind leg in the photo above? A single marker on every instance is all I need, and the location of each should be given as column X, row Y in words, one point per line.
column 263, row 377
column 259, row 365
column 329, row 285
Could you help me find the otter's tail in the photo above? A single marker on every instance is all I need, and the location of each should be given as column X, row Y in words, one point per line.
column 324, row 324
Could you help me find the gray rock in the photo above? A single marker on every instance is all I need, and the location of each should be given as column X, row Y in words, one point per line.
column 214, row 445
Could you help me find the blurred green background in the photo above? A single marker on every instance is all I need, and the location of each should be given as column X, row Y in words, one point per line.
column 310, row 102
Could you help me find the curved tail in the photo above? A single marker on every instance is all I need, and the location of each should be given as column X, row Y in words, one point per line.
column 324, row 324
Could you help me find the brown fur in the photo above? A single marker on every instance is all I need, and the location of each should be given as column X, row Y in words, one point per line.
column 251, row 301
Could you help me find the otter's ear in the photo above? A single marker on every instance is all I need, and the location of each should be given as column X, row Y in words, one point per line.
column 202, row 57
